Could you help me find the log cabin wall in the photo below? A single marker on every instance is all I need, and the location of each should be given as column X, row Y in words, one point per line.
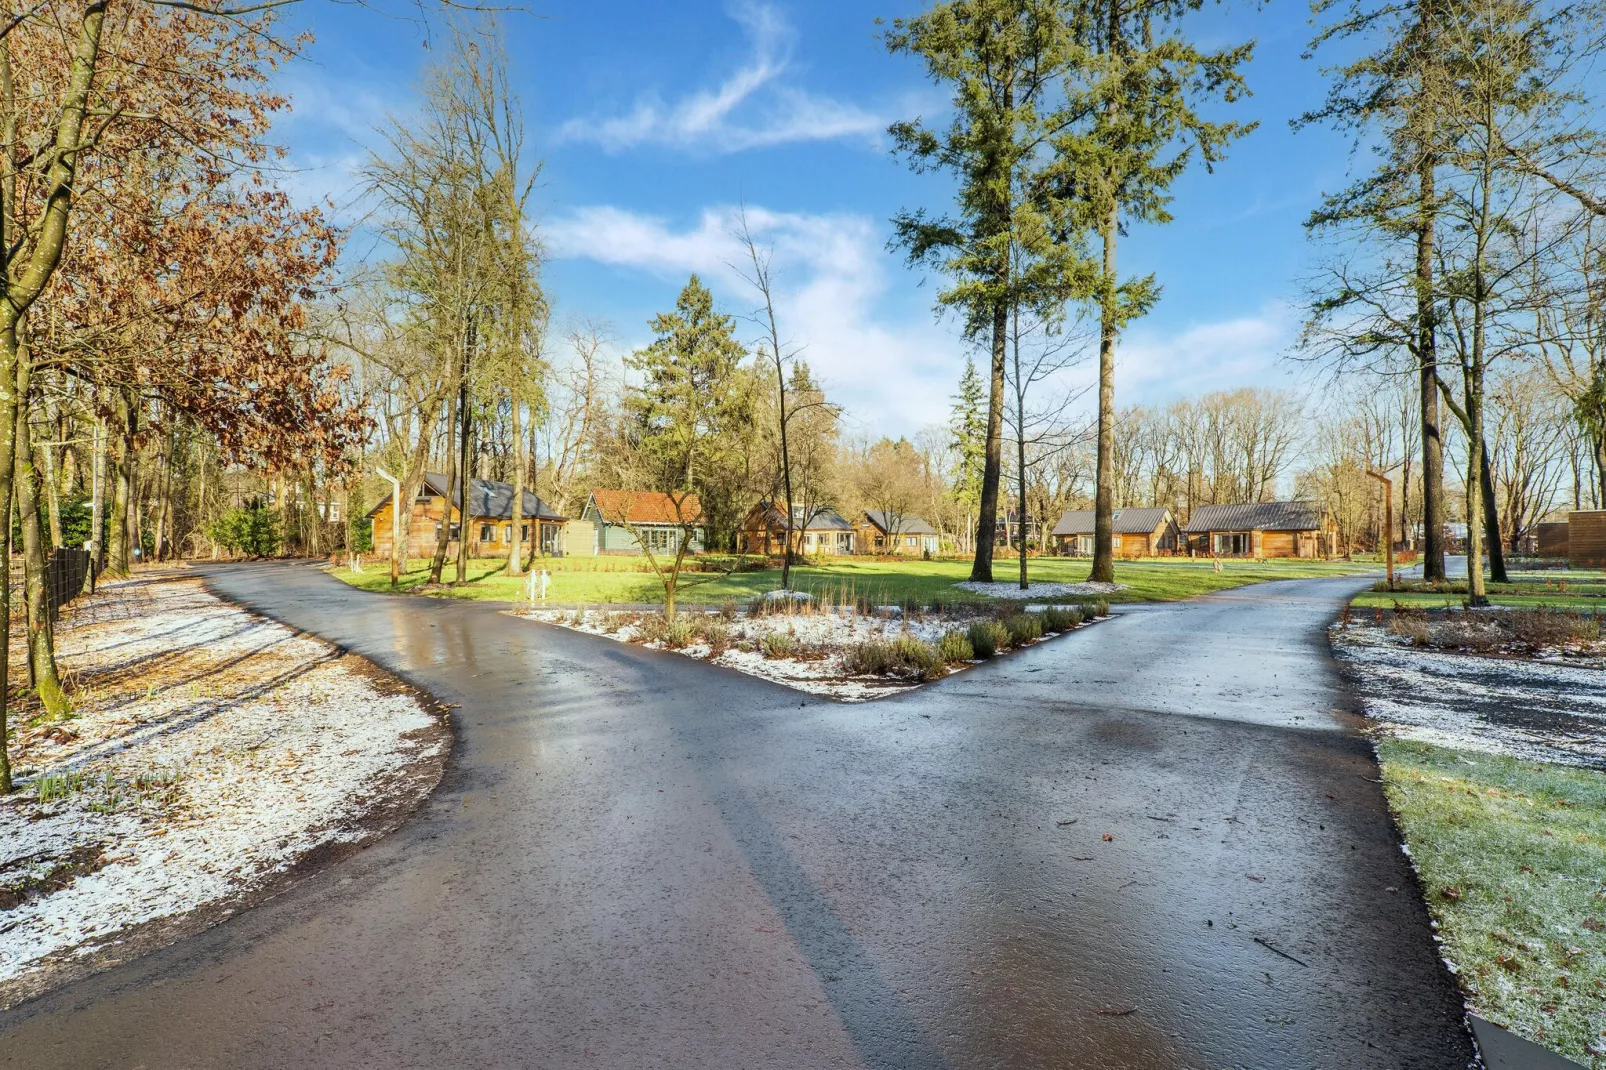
column 1586, row 539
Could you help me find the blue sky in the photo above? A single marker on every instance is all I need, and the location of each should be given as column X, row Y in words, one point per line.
column 655, row 119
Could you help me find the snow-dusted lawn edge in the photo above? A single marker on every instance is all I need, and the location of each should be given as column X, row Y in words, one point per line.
column 822, row 639
column 1494, row 769
column 341, row 753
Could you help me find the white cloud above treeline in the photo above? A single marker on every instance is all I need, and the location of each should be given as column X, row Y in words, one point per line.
column 753, row 107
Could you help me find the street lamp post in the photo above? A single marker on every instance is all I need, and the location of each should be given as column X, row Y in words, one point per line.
column 1388, row 520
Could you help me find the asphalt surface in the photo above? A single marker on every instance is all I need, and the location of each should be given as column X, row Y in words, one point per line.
column 1156, row 842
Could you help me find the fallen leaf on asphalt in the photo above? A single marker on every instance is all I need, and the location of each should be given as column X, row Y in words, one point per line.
column 1062, row 824
column 1257, row 880
column 1109, row 838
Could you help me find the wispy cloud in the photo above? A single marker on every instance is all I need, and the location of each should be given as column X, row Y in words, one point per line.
column 752, row 108
column 330, row 121
column 832, row 281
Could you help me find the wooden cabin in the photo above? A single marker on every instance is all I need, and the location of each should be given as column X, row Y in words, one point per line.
column 1586, row 538
column 763, row 531
column 490, row 526
column 1262, row 529
column 880, row 532
column 1550, row 539
column 617, row 516
column 1145, row 532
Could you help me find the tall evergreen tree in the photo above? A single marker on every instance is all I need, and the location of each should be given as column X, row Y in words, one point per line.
column 1135, row 91
column 686, row 418
column 1394, row 94
column 1002, row 60
column 967, row 428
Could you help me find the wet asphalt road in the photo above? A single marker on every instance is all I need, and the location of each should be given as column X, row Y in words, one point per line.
column 639, row 860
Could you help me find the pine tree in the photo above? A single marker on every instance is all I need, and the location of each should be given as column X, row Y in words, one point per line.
column 1002, row 60
column 686, row 417
column 1136, row 88
column 968, row 429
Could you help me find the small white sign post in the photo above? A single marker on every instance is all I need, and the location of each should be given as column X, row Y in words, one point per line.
column 536, row 587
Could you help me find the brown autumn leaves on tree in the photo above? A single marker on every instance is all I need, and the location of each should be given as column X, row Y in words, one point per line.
column 153, row 276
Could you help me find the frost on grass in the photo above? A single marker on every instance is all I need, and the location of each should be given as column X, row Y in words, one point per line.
column 1040, row 590
column 1546, row 709
column 206, row 751
column 803, row 645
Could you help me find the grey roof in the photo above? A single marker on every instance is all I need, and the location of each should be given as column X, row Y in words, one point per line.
column 909, row 525
column 822, row 520
column 1126, row 521
column 487, row 498
column 1257, row 516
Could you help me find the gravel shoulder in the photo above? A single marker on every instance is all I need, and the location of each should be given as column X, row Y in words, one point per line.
column 210, row 757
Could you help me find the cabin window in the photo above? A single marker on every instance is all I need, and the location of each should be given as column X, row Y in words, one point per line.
column 524, row 533
column 487, row 533
column 909, row 541
column 1232, row 542
column 880, row 542
column 844, row 542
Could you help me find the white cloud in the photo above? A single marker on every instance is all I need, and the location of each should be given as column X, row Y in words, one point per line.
column 1155, row 365
column 750, row 109
column 895, row 371
column 330, row 121
column 832, row 286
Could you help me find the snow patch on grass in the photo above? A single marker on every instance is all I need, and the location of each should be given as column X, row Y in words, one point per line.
column 818, row 641
column 1040, row 590
column 207, row 749
column 1539, row 709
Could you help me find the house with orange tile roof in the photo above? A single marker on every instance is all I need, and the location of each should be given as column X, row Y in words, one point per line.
column 621, row 520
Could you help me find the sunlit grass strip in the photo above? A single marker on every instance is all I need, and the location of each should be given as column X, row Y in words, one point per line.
column 849, row 580
column 1512, row 856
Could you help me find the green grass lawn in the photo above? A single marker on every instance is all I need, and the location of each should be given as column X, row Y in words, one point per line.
column 1580, row 589
column 1513, row 862
column 603, row 580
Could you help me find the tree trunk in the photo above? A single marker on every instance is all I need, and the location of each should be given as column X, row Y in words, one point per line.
column 438, row 562
column 314, row 521
column 1020, row 488
column 41, row 651
column 8, row 423
column 119, row 548
column 1491, row 524
column 52, row 492
column 1103, row 490
column 515, row 554
column 981, row 569
column 97, row 494
column 465, row 481
column 1428, row 357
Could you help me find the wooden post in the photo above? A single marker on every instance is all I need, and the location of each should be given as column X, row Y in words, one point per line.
column 1388, row 520
column 398, row 548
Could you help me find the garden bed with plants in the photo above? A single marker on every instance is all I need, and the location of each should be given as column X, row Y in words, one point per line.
column 851, row 651
column 208, row 756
